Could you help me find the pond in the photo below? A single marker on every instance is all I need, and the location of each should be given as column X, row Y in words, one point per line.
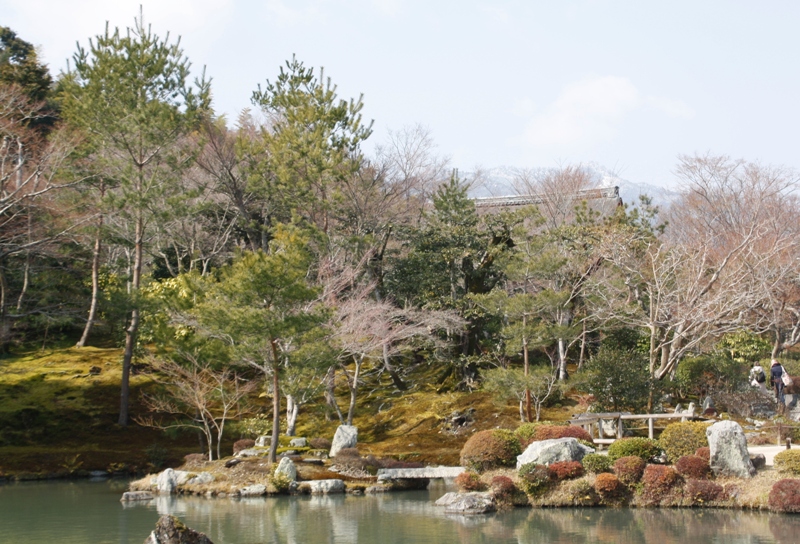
column 81, row 512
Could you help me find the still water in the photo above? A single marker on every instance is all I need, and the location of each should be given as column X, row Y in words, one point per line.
column 90, row 513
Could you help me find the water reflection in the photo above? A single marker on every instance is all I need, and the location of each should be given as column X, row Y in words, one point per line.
column 79, row 512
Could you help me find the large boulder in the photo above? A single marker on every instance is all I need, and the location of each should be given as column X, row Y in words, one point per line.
column 546, row 452
column 264, row 441
column 346, row 437
column 255, row 490
column 170, row 530
column 298, row 443
column 287, row 468
column 166, row 482
column 129, row 496
column 323, row 487
column 467, row 503
column 729, row 455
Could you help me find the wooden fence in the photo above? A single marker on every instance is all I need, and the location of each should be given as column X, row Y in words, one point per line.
column 593, row 423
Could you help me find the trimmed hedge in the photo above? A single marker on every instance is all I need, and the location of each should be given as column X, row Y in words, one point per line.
column 486, row 450
column 788, row 461
column 596, row 463
column 785, row 496
column 469, row 481
column 534, row 479
column 629, row 469
column 693, row 466
column 644, row 448
column 700, row 492
column 683, row 438
column 565, row 470
column 657, row 481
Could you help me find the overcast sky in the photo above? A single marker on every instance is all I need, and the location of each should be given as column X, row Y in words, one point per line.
column 629, row 85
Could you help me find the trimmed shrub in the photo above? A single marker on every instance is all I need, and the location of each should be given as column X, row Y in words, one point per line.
column 490, row 449
column 629, row 469
column 534, row 479
column 683, row 438
column 644, row 448
column 704, row 452
column 243, row 444
column 657, row 481
column 595, row 463
column 525, row 432
column 700, row 492
column 785, row 496
column 788, row 462
column 565, row 470
column 469, row 481
column 609, row 487
column 503, row 489
column 693, row 466
column 549, row 432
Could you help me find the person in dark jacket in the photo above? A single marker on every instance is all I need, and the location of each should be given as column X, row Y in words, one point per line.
column 775, row 373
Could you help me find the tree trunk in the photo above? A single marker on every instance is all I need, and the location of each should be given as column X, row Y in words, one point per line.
column 133, row 328
column 330, row 397
column 276, row 404
column 292, row 408
column 95, row 284
column 526, row 367
column 354, row 390
column 562, row 359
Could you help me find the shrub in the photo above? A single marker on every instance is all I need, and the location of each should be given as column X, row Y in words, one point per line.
column 693, row 466
column 785, row 496
column 704, row 452
column 683, row 438
column 657, row 480
column 192, row 458
column 243, row 444
column 644, row 448
column 565, row 470
column 503, row 489
column 534, row 479
column 320, row 443
column 490, row 449
column 281, row 482
column 629, row 469
column 788, row 461
column 700, row 492
column 469, row 481
column 609, row 487
column 549, row 432
column 595, row 463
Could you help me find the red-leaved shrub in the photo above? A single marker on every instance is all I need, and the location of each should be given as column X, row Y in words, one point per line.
column 503, row 488
column 490, row 449
column 704, row 452
column 469, row 481
column 548, row 432
column 701, row 492
column 785, row 496
column 243, row 444
column 658, row 480
column 565, row 470
column 608, row 486
column 629, row 469
column 693, row 466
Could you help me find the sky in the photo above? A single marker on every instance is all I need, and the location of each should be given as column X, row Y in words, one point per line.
column 626, row 85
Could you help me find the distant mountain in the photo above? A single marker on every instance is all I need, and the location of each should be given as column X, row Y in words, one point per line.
column 500, row 182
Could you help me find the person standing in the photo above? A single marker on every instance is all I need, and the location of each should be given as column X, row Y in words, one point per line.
column 776, row 381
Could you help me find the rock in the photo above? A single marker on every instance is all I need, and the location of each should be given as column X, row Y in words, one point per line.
column 256, row 490
column 376, row 489
column 346, row 437
column 130, row 496
column 264, row 441
column 467, row 503
column 759, row 460
column 324, row 487
column 298, row 443
column 708, row 404
column 230, row 463
column 729, row 455
column 170, row 530
column 424, row 472
column 408, row 484
column 201, row 479
column 545, row 452
column 318, row 462
column 98, row 474
column 287, row 468
column 253, row 452
column 167, row 482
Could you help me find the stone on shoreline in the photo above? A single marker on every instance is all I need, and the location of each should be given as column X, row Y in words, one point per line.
column 130, row 496
column 474, row 502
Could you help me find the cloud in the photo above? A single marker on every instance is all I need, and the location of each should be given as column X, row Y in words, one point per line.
column 585, row 112
column 590, row 111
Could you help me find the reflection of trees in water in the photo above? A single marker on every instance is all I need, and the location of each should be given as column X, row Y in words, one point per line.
column 402, row 517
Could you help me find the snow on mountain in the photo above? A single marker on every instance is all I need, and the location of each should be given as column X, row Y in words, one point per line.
column 500, row 182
